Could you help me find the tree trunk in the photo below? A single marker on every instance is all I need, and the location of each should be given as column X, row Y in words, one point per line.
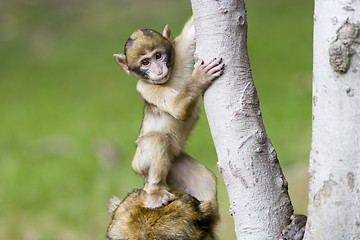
column 334, row 171
column 257, row 189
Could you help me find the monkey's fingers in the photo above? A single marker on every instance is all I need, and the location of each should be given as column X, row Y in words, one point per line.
column 216, row 72
column 199, row 63
column 216, row 69
column 215, row 75
column 213, row 63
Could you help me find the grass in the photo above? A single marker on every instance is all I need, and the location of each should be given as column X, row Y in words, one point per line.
column 69, row 116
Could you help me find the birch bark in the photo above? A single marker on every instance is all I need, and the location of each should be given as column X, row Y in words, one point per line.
column 257, row 189
column 334, row 171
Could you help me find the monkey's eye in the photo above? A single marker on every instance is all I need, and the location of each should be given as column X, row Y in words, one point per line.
column 158, row 55
column 145, row 62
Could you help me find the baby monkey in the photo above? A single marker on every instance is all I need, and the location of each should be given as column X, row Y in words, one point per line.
column 171, row 92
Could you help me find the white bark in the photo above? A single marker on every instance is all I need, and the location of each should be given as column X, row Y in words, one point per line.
column 334, row 194
column 259, row 200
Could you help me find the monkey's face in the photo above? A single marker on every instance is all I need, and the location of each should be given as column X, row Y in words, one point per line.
column 153, row 66
column 148, row 56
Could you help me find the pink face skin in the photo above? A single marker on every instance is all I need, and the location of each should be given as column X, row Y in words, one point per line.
column 154, row 65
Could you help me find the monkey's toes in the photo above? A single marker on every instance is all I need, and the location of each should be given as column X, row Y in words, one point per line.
column 159, row 199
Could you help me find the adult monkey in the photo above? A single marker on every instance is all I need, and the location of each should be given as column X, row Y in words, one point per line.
column 181, row 219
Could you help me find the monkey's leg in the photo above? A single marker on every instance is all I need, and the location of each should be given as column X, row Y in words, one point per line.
column 188, row 175
column 152, row 160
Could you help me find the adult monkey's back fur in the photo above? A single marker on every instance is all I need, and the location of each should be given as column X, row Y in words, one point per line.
column 181, row 219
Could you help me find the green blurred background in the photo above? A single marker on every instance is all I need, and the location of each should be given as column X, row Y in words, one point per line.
column 69, row 116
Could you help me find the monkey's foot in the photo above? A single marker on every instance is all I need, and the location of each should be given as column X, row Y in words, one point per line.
column 296, row 229
column 158, row 199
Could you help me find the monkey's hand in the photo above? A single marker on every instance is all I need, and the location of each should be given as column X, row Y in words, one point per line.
column 296, row 229
column 206, row 73
column 158, row 198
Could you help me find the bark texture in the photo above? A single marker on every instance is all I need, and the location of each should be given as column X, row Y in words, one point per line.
column 259, row 199
column 334, row 171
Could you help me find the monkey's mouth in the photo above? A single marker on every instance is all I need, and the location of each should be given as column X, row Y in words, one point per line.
column 162, row 79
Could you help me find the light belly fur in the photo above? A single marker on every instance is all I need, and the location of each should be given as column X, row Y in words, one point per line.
column 164, row 123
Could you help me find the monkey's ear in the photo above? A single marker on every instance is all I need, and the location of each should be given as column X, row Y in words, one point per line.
column 167, row 34
column 121, row 60
column 114, row 203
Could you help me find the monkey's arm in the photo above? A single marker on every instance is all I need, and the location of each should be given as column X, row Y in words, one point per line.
column 158, row 95
column 181, row 104
column 185, row 48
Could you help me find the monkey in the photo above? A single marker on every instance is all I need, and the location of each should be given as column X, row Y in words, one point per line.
column 181, row 219
column 171, row 93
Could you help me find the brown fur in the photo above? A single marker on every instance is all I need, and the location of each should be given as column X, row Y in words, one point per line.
column 181, row 219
